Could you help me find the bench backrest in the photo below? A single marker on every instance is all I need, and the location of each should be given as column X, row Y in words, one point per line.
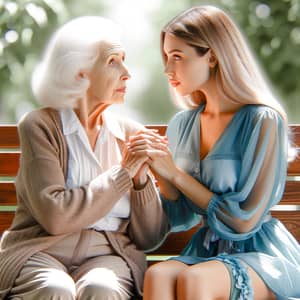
column 288, row 211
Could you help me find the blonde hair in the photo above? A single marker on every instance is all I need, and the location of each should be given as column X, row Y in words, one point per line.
column 237, row 74
column 72, row 49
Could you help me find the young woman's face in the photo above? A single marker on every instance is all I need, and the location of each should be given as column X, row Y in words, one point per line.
column 186, row 70
column 109, row 74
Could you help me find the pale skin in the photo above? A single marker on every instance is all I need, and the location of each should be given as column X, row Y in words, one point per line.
column 190, row 73
column 108, row 80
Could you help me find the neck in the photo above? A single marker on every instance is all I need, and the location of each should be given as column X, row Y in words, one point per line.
column 90, row 116
column 216, row 103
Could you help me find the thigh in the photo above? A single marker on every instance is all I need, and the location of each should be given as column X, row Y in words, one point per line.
column 219, row 280
column 161, row 279
column 104, row 277
column 205, row 280
column 43, row 277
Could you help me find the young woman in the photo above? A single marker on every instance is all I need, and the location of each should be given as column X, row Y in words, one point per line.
column 86, row 206
column 227, row 168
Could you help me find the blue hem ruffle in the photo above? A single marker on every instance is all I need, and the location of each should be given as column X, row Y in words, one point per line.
column 240, row 274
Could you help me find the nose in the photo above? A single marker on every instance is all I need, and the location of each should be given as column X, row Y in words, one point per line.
column 169, row 71
column 125, row 76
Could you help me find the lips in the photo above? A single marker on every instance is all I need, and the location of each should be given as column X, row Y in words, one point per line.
column 121, row 90
column 174, row 83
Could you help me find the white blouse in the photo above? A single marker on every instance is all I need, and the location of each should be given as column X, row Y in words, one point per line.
column 84, row 164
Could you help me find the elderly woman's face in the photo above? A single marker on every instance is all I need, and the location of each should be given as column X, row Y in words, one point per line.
column 109, row 75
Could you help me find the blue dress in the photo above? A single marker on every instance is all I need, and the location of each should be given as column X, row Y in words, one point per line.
column 246, row 171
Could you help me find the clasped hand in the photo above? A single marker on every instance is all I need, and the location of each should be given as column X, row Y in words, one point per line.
column 147, row 149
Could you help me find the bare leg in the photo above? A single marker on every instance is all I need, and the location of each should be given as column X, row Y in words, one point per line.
column 204, row 281
column 160, row 280
column 211, row 281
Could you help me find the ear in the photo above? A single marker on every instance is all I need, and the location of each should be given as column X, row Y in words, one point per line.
column 212, row 59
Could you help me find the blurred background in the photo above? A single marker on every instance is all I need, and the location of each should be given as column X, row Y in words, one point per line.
column 272, row 28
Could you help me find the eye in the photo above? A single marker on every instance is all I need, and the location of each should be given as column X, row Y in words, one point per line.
column 112, row 62
column 177, row 57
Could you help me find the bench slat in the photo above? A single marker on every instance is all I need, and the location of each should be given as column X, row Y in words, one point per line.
column 9, row 136
column 292, row 193
column 5, row 220
column 9, row 163
column 7, row 193
column 291, row 220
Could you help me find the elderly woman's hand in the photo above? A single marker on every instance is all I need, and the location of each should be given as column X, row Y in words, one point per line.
column 154, row 146
column 144, row 143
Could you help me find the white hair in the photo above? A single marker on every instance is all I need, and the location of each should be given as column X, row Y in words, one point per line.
column 73, row 48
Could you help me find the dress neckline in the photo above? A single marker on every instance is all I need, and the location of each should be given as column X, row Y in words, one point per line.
column 220, row 138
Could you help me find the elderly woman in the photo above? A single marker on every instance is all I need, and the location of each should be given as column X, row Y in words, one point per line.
column 86, row 205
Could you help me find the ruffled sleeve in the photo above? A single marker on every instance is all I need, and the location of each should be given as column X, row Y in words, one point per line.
column 238, row 215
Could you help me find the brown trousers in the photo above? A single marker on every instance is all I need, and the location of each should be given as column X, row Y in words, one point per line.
column 82, row 266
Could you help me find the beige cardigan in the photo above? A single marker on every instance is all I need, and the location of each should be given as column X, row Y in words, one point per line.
column 47, row 212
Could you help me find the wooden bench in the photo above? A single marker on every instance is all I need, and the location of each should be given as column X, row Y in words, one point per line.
column 288, row 211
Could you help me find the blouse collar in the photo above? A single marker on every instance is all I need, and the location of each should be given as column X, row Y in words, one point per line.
column 71, row 123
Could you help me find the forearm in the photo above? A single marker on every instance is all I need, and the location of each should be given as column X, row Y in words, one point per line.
column 191, row 188
column 167, row 189
column 148, row 223
column 60, row 210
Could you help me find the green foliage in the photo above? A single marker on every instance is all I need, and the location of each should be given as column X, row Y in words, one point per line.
column 25, row 27
column 273, row 29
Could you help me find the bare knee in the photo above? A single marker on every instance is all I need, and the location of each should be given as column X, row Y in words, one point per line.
column 207, row 280
column 155, row 273
column 165, row 271
column 189, row 279
column 160, row 280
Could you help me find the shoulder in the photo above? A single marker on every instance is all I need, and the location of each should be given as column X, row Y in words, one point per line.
column 260, row 121
column 40, row 122
column 182, row 118
column 38, row 117
column 122, row 126
column 262, row 115
column 261, row 112
column 130, row 125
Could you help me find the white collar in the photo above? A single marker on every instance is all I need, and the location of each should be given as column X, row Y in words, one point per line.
column 71, row 123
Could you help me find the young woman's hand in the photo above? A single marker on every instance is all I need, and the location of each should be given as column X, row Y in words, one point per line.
column 154, row 146
column 142, row 144
column 162, row 163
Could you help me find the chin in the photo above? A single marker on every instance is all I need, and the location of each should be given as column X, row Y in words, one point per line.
column 183, row 93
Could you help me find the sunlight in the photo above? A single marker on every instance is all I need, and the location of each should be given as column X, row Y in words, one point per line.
column 11, row 7
column 136, row 20
column 269, row 267
column 37, row 13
